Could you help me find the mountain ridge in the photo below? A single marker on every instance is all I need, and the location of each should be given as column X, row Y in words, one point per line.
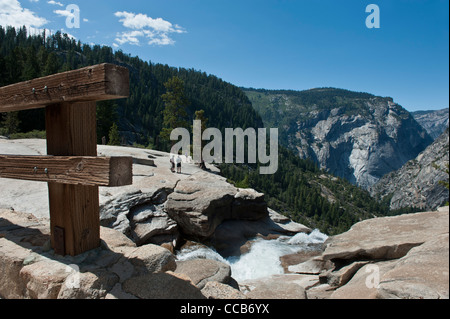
column 417, row 182
column 433, row 121
column 354, row 135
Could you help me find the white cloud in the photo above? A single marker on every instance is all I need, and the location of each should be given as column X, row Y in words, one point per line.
column 130, row 37
column 55, row 3
column 12, row 14
column 64, row 13
column 141, row 21
column 154, row 31
column 162, row 39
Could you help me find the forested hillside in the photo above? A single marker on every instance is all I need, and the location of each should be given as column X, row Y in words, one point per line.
column 140, row 116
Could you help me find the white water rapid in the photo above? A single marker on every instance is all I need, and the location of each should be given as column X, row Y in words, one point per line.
column 263, row 259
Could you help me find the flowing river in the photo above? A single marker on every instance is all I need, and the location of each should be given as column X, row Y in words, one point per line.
column 263, row 259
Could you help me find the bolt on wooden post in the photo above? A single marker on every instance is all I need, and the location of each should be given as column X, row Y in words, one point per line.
column 71, row 168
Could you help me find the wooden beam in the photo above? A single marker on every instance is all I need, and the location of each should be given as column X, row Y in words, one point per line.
column 94, row 83
column 71, row 131
column 76, row 170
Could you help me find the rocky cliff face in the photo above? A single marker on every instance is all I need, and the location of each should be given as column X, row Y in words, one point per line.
column 416, row 184
column 435, row 122
column 357, row 136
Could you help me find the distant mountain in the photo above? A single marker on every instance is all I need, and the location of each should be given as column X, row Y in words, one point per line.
column 417, row 182
column 435, row 122
column 354, row 135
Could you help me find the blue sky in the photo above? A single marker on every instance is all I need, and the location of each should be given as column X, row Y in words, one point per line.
column 272, row 44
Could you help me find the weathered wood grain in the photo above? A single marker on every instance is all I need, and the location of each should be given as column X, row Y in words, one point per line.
column 71, row 131
column 94, row 83
column 76, row 170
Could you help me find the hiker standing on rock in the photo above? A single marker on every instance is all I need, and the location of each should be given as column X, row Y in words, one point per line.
column 172, row 164
column 178, row 165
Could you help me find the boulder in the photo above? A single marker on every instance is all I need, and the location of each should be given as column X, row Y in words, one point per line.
column 44, row 279
column 151, row 259
column 114, row 240
column 297, row 258
column 385, row 238
column 361, row 285
column 12, row 257
column 282, row 224
column 114, row 211
column 141, row 217
column 321, row 291
column 248, row 204
column 203, row 201
column 340, row 277
column 304, row 281
column 275, row 287
column 117, row 293
column 313, row 266
column 422, row 274
column 202, row 271
column 217, row 290
column 150, row 224
column 162, row 286
column 90, row 285
column 402, row 257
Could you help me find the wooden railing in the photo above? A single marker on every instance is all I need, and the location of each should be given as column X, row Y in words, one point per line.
column 72, row 169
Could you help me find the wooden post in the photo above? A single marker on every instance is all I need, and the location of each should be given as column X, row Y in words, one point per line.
column 71, row 130
column 70, row 102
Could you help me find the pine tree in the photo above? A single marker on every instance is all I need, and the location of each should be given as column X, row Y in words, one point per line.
column 244, row 183
column 114, row 137
column 200, row 116
column 11, row 123
column 175, row 111
column 3, row 74
column 51, row 65
column 31, row 66
column 106, row 117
